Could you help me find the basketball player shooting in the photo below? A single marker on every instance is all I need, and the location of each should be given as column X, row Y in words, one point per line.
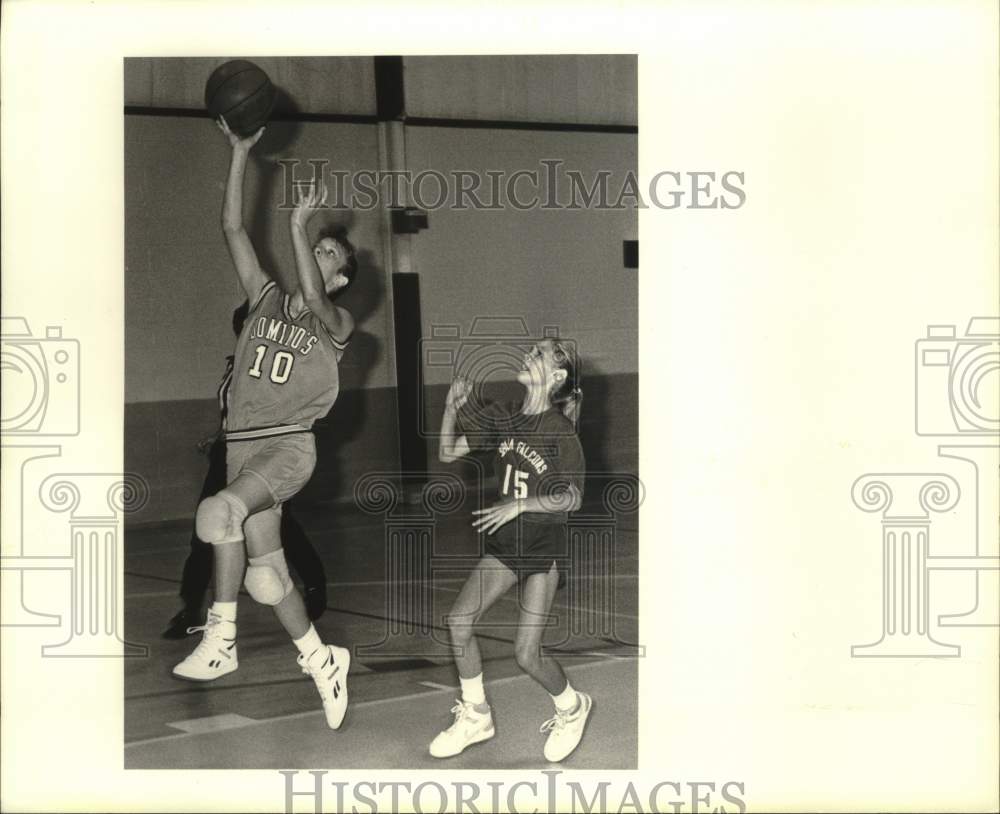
column 285, row 376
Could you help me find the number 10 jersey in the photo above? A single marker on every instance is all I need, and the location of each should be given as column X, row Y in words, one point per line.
column 285, row 373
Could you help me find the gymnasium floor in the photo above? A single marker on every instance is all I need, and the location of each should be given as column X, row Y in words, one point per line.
column 403, row 682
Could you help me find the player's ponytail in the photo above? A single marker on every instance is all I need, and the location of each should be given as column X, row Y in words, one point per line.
column 571, row 405
column 568, row 396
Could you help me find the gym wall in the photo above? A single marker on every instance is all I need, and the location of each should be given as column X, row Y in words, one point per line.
column 568, row 88
column 553, row 268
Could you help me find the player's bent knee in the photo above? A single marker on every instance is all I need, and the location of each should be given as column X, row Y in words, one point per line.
column 461, row 630
column 267, row 579
column 264, row 585
column 219, row 519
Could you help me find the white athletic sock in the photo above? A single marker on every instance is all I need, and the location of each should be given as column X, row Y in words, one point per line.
column 472, row 689
column 227, row 610
column 311, row 644
column 566, row 700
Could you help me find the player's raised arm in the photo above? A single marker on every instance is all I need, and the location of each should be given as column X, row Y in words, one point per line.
column 241, row 249
column 450, row 447
column 338, row 321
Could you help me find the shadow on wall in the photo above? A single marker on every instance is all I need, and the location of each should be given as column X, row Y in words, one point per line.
column 595, row 418
column 362, row 299
column 359, row 408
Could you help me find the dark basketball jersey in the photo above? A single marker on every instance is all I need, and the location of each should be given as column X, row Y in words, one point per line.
column 285, row 369
column 533, row 455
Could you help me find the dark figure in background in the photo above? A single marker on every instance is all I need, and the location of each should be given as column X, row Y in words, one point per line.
column 198, row 566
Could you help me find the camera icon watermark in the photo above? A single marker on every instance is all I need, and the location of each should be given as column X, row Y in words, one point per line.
column 41, row 402
column 492, row 351
column 957, row 387
column 957, row 395
column 41, row 381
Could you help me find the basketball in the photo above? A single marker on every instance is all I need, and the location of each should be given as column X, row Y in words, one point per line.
column 240, row 91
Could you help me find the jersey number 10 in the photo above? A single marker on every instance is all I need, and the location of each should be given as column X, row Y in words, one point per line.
column 520, row 483
column 281, row 365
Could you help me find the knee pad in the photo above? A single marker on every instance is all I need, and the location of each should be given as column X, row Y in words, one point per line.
column 267, row 578
column 220, row 519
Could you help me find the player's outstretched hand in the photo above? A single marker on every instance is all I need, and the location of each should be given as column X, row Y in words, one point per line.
column 458, row 394
column 234, row 140
column 489, row 520
column 310, row 202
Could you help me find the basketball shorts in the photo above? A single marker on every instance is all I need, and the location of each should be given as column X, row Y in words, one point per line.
column 284, row 463
column 528, row 548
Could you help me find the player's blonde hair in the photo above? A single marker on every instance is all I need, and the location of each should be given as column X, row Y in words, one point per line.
column 568, row 395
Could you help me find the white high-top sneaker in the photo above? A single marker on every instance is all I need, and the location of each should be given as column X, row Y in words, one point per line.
column 566, row 729
column 215, row 655
column 470, row 727
column 330, row 678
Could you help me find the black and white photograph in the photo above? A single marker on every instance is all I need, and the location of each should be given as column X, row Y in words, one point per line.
column 330, row 482
column 381, row 343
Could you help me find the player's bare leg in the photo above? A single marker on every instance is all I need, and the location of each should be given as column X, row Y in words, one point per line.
column 221, row 522
column 473, row 722
column 536, row 601
column 566, row 727
column 489, row 580
column 263, row 541
column 230, row 558
column 230, row 563
column 268, row 582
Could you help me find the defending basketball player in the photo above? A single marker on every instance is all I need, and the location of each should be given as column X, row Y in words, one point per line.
column 539, row 467
column 285, row 376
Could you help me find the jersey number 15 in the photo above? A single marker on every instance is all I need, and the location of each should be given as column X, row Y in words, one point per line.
column 520, row 483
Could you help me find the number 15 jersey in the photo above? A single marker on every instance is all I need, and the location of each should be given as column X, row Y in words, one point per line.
column 534, row 455
column 285, row 373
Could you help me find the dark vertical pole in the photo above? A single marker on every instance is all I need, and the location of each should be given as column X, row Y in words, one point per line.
column 409, row 372
column 390, row 109
column 630, row 253
column 388, row 88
